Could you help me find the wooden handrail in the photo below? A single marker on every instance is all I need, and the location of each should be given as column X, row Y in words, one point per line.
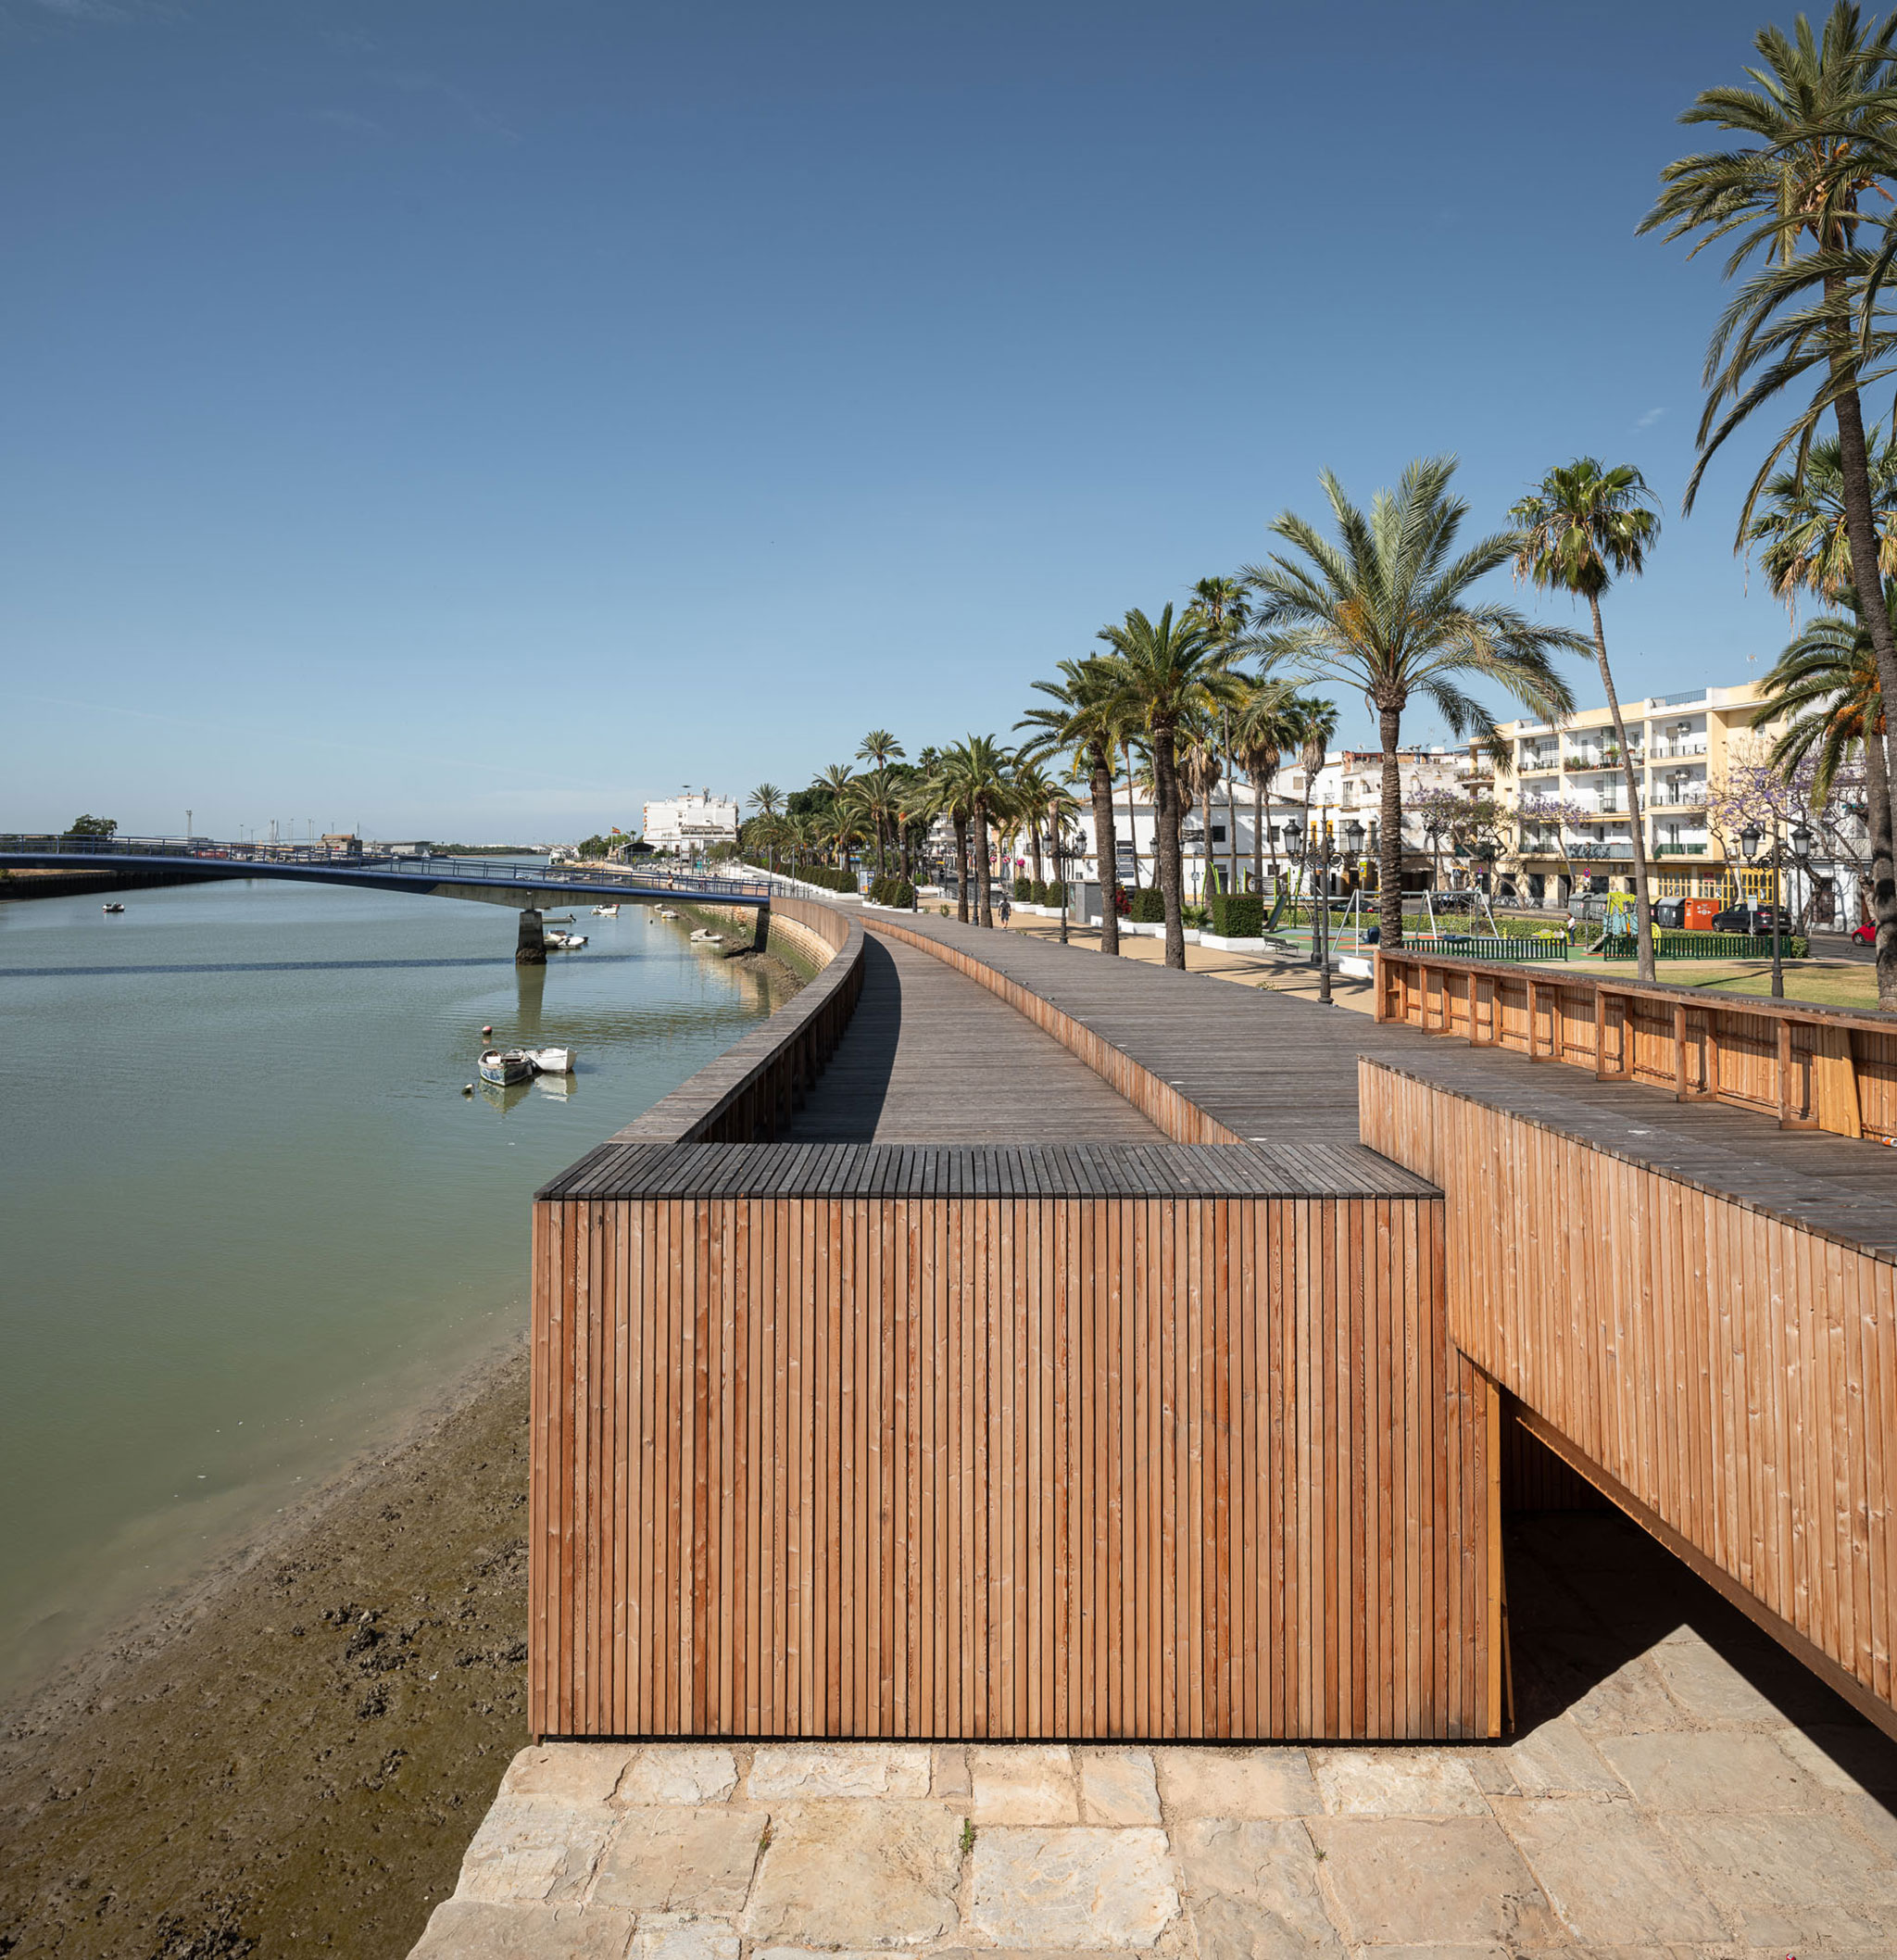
column 1810, row 1066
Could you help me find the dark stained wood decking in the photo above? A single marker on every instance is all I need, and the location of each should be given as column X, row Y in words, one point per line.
column 1275, row 1069
column 931, row 1057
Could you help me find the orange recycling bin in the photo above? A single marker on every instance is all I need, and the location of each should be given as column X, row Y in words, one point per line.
column 1700, row 914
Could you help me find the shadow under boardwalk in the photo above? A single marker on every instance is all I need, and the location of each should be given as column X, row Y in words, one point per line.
column 931, row 1057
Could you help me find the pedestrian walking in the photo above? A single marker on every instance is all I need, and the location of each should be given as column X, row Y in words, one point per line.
column 1005, row 908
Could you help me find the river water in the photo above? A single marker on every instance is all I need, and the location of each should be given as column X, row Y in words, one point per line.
column 251, row 1224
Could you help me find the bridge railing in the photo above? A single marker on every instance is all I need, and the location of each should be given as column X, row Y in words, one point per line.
column 426, row 870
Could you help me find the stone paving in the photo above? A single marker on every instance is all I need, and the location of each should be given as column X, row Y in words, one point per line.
column 1677, row 1789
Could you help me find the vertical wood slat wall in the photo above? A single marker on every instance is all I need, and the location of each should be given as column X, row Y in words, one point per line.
column 1812, row 1067
column 1092, row 1466
column 1728, row 1376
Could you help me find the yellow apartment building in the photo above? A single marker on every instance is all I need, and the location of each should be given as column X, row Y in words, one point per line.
column 1681, row 744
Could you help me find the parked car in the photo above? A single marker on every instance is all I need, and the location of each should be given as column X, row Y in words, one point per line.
column 1865, row 935
column 1744, row 919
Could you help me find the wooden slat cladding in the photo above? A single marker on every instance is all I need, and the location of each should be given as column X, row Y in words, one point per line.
column 1006, row 1466
column 1811, row 1067
column 1725, row 1373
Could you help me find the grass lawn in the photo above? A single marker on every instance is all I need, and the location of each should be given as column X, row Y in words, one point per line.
column 1836, row 983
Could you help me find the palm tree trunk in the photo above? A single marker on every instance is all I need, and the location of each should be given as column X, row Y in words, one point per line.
column 985, row 903
column 1855, row 481
column 1100, row 780
column 1132, row 818
column 1208, row 876
column 1231, row 812
column 960, row 867
column 1258, row 835
column 1643, row 908
column 1166, row 797
column 1878, row 796
column 1389, row 841
column 1033, row 838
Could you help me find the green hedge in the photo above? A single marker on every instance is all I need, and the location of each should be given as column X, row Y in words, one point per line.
column 892, row 889
column 1027, row 892
column 1238, row 916
column 1148, row 907
column 829, row 879
column 1710, row 945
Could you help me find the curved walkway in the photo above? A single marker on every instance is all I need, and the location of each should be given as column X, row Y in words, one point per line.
column 932, row 1057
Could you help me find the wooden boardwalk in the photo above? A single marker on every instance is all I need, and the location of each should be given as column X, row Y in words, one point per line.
column 1062, row 1346
column 931, row 1057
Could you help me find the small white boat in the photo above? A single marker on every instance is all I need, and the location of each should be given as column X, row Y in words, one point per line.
column 665, row 911
column 708, row 938
column 504, row 1066
column 552, row 1061
column 563, row 942
column 112, row 908
column 606, row 911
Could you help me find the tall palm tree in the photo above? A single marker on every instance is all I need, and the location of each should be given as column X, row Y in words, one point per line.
column 1804, row 546
column 1314, row 722
column 1085, row 722
column 1825, row 687
column 975, row 788
column 1816, row 134
column 1201, row 769
column 767, row 799
column 1264, row 726
column 1164, row 671
column 1580, row 526
column 1224, row 606
column 879, row 749
column 1387, row 608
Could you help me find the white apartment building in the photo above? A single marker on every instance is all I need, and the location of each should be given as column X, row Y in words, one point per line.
column 1349, row 787
column 691, row 822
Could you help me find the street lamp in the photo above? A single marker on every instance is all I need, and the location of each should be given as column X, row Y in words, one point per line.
column 1749, row 840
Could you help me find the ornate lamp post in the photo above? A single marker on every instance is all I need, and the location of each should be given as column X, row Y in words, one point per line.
column 1749, row 841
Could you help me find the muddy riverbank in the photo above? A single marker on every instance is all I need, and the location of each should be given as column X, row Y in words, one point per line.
column 293, row 1759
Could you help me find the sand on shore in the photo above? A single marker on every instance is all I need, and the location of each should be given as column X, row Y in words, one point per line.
column 294, row 1760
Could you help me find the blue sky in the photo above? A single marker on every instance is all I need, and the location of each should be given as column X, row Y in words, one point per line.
column 467, row 419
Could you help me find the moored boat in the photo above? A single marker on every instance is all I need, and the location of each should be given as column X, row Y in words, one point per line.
column 114, row 907
column 606, row 911
column 504, row 1066
column 552, row 1060
column 563, row 942
column 707, row 937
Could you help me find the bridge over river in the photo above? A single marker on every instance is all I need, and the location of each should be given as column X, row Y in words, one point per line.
column 1004, row 1341
column 527, row 887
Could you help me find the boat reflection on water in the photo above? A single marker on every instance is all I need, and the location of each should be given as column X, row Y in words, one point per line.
column 561, row 1087
column 505, row 1098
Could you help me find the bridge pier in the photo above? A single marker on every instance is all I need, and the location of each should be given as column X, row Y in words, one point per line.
column 530, row 948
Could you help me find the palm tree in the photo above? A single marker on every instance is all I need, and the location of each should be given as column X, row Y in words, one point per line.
column 1201, row 769
column 1818, row 130
column 1580, row 526
column 1264, row 726
column 974, row 787
column 1085, row 722
column 879, row 749
column 1313, row 722
column 1802, row 528
column 1163, row 671
column 1387, row 608
column 767, row 799
column 1223, row 604
column 1825, row 687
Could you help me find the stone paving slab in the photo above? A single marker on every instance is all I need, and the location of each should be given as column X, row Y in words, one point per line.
column 1678, row 1790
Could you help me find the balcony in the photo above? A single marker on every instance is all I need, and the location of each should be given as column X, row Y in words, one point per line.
column 1581, row 761
column 1586, row 850
column 1676, row 796
column 1679, row 850
column 1680, row 745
